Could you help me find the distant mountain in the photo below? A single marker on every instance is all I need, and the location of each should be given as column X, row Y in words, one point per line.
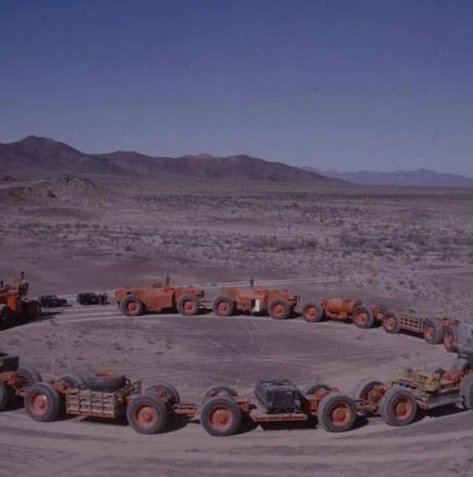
column 36, row 156
column 239, row 167
column 33, row 156
column 415, row 178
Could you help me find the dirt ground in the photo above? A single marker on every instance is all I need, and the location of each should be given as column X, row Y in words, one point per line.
column 401, row 247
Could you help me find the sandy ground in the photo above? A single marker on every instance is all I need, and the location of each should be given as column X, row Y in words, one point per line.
column 196, row 352
column 401, row 247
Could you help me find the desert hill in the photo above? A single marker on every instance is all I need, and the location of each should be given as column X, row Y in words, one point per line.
column 34, row 157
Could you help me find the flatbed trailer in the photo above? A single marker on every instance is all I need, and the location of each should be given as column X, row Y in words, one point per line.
column 433, row 330
column 411, row 390
column 220, row 412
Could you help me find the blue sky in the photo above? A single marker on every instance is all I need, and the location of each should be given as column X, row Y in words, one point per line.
column 335, row 84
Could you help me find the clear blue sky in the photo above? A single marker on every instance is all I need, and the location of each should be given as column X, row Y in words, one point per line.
column 347, row 85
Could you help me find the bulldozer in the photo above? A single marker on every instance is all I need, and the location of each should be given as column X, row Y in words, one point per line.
column 15, row 306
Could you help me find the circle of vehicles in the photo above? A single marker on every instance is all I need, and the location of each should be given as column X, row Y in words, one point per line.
column 222, row 411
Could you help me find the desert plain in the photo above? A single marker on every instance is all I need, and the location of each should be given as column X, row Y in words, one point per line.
column 404, row 247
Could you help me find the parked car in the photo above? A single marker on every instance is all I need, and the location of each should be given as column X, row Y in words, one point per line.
column 52, row 301
column 90, row 298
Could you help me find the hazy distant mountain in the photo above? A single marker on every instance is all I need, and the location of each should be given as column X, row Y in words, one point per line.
column 36, row 156
column 417, row 178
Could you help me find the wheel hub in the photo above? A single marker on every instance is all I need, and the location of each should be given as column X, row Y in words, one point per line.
column 429, row 333
column 402, row 409
column 389, row 322
column 311, row 312
column 39, row 404
column 340, row 415
column 146, row 416
column 220, row 418
column 362, row 318
column 278, row 310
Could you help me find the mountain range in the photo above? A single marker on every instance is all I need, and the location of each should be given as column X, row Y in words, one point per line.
column 412, row 178
column 35, row 157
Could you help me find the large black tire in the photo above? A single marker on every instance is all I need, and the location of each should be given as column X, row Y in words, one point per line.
column 31, row 375
column 5, row 316
column 398, row 407
column 74, row 380
column 219, row 390
column 220, row 416
column 42, row 402
column 188, row 305
column 279, row 309
column 4, row 397
column 146, row 414
column 105, row 382
column 131, row 305
column 391, row 322
column 223, row 306
column 466, row 391
column 364, row 389
column 337, row 413
column 433, row 331
column 363, row 317
column 312, row 312
column 460, row 364
column 31, row 309
column 313, row 388
column 164, row 392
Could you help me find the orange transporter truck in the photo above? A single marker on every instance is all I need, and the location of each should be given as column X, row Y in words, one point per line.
column 15, row 306
column 159, row 297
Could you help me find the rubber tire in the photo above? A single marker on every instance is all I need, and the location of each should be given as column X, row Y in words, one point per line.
column 438, row 331
column 370, row 320
column 73, row 380
column 54, row 410
column 4, row 312
column 182, row 300
column 169, row 389
column 230, row 303
column 286, row 306
column 397, row 326
column 387, row 402
column 313, row 388
column 323, row 412
column 4, row 397
column 231, row 405
column 97, row 382
column 30, row 374
column 460, row 364
column 363, row 386
column 320, row 315
column 450, row 330
column 149, row 401
column 466, row 391
column 219, row 390
column 128, row 299
column 7, row 317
